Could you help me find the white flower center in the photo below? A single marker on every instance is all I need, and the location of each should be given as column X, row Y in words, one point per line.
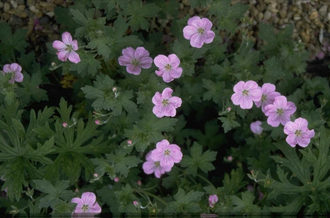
column 165, row 102
column 263, row 98
column 279, row 111
column 298, row 132
column 84, row 207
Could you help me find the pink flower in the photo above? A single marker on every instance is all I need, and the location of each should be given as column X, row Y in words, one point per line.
column 256, row 128
column 165, row 104
column 134, row 60
column 116, row 179
column 246, row 93
column 298, row 132
column 65, row 125
column 168, row 67
column 268, row 96
column 280, row 111
column 67, row 48
column 167, row 154
column 15, row 70
column 212, row 200
column 86, row 204
column 97, row 122
column 198, row 31
column 151, row 166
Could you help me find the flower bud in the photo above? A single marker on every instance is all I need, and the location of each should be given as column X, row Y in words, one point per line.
column 116, row 179
column 64, row 125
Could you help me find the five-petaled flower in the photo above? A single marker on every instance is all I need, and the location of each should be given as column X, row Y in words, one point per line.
column 86, row 204
column 280, row 111
column 151, row 166
column 15, row 69
column 268, row 96
column 167, row 154
column 298, row 132
column 168, row 67
column 256, row 127
column 198, row 31
column 165, row 104
column 245, row 94
column 212, row 200
column 66, row 48
column 134, row 60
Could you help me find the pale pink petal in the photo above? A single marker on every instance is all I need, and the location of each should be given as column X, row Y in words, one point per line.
column 162, row 144
column 94, row 208
column 140, row 52
column 236, row 98
column 128, row 52
column 167, row 77
column 158, row 111
column 176, row 73
column 18, row 77
column 246, row 103
column 161, row 61
column 189, row 31
column 176, row 156
column 208, row 36
column 196, row 41
column 206, row 24
column 301, row 123
column 74, row 57
column 67, row 38
column 256, row 127
column 280, row 102
column 157, row 99
column 158, row 172
column 170, row 111
column 148, row 167
column 145, row 62
column 77, row 201
column 291, row 140
column 63, row 55
column 133, row 69
column 290, row 108
column 309, row 133
column 124, row 60
column 174, row 61
column 60, row 46
column 157, row 155
column 75, row 45
column 250, row 85
column 88, row 198
column 160, row 72
column 167, row 93
column 239, row 87
column 6, row 68
column 290, row 128
column 193, row 21
column 303, row 142
column 255, row 94
column 15, row 67
column 175, row 101
column 148, row 156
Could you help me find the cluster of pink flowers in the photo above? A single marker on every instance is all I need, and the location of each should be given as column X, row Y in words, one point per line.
column 15, row 70
column 277, row 109
column 162, row 158
column 86, row 204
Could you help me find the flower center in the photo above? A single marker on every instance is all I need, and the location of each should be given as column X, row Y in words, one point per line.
column 279, row 111
column 263, row 98
column 167, row 152
column 200, row 30
column 84, row 207
column 168, row 67
column 245, row 92
column 135, row 62
column 165, row 102
column 68, row 48
column 298, row 132
column 157, row 164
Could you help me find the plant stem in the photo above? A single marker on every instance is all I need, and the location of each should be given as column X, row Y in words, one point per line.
column 151, row 195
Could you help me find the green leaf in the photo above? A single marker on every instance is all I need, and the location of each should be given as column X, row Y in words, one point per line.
column 214, row 88
column 137, row 13
column 197, row 3
column 88, row 64
column 121, row 163
column 245, row 205
column 229, row 123
column 198, row 159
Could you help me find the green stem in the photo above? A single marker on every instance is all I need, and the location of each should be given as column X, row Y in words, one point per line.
column 206, row 180
column 151, row 195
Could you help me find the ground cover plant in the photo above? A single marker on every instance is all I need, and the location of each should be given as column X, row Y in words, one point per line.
column 162, row 113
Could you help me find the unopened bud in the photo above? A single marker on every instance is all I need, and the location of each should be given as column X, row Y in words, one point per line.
column 129, row 142
column 229, row 109
column 230, row 158
column 139, row 183
column 116, row 179
column 114, row 89
column 53, row 64
column 64, row 125
column 97, row 122
column 95, row 175
column 135, row 203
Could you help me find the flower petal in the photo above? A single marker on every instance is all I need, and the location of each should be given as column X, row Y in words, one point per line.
column 161, row 61
column 77, row 201
column 167, row 93
column 18, row 77
column 175, row 102
column 128, row 52
column 196, row 41
column 189, row 31
column 174, row 61
column 145, row 62
column 194, row 21
column 170, row 111
column 133, row 69
column 67, row 38
column 88, row 198
column 74, row 57
column 159, row 111
column 124, row 60
column 58, row 45
column 291, row 140
column 176, row 73
column 140, row 52
column 94, row 209
column 63, row 55
column 208, row 36
column 157, row 99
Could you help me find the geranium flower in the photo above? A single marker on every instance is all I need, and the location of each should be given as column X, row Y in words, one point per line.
column 165, row 104
column 86, row 204
column 151, row 166
column 15, row 69
column 67, row 48
column 134, row 60
column 256, row 127
column 167, row 154
column 298, row 132
column 168, row 67
column 280, row 111
column 198, row 31
column 268, row 95
column 245, row 94
column 212, row 200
